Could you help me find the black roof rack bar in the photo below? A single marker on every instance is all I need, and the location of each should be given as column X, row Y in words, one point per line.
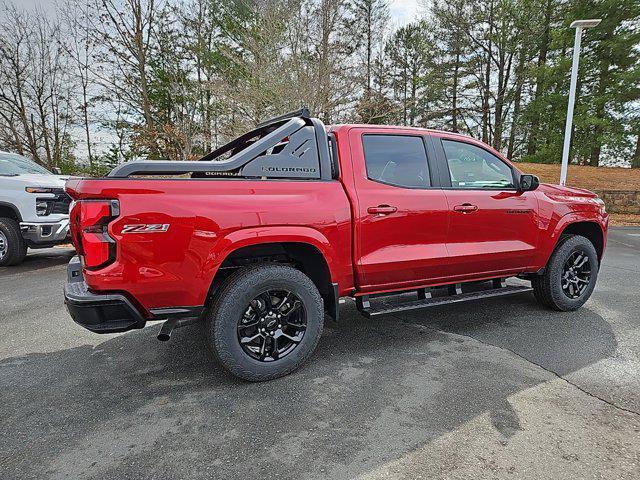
column 159, row 167
column 236, row 142
column 302, row 113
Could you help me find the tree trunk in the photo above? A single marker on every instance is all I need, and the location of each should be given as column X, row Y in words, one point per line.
column 454, row 100
column 369, row 47
column 487, row 83
column 45, row 131
column 516, row 106
column 85, row 108
column 324, row 79
column 16, row 138
column 141, row 64
column 414, row 89
column 503, row 80
column 542, row 61
column 596, row 150
column 485, row 100
column 29, row 132
column 144, row 90
column 404, row 96
column 635, row 160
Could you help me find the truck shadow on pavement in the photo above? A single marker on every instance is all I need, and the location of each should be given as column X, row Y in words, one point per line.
column 41, row 258
column 374, row 391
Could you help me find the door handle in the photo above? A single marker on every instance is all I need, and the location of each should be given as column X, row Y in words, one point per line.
column 382, row 210
column 465, row 208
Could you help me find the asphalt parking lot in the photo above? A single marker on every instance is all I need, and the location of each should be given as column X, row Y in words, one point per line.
column 493, row 389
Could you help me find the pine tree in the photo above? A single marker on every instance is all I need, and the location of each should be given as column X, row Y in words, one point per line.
column 452, row 65
column 612, row 53
column 369, row 24
column 411, row 69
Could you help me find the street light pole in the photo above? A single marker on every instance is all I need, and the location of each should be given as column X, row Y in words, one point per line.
column 579, row 25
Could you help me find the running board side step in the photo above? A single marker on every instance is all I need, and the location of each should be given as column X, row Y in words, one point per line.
column 424, row 301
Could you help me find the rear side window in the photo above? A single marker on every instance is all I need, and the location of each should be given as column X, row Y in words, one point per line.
column 399, row 160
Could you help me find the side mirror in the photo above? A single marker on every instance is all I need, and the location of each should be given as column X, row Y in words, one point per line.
column 57, row 171
column 528, row 183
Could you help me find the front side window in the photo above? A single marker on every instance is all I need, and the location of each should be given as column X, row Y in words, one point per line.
column 399, row 160
column 475, row 168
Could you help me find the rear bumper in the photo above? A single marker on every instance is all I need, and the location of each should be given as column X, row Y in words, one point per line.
column 114, row 312
column 99, row 313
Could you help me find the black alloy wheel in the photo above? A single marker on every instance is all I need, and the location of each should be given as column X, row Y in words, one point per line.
column 576, row 274
column 272, row 325
column 570, row 276
column 265, row 321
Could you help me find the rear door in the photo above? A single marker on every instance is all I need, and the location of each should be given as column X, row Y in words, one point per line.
column 493, row 227
column 401, row 217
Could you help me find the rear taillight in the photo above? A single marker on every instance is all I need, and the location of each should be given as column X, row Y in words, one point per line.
column 89, row 225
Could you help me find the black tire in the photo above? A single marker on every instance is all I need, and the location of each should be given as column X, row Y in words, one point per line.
column 15, row 248
column 548, row 288
column 221, row 327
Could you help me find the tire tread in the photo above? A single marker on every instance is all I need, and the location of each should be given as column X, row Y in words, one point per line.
column 230, row 292
column 17, row 247
column 547, row 288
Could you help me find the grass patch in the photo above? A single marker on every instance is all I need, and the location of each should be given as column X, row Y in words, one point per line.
column 591, row 178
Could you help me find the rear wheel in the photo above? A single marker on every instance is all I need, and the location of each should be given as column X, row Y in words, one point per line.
column 265, row 322
column 570, row 276
column 13, row 248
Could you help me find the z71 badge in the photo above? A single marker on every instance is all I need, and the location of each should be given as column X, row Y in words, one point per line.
column 146, row 228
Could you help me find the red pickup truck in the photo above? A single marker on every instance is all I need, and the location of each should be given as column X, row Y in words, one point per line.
column 263, row 236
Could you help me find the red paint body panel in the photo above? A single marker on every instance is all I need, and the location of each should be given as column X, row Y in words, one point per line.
column 403, row 247
column 560, row 207
column 208, row 220
column 493, row 238
column 424, row 241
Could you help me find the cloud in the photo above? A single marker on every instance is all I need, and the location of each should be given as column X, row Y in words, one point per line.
column 404, row 11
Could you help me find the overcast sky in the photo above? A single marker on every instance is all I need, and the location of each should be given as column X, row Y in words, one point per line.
column 402, row 11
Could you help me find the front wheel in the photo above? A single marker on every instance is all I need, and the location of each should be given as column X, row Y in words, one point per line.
column 13, row 248
column 265, row 322
column 570, row 276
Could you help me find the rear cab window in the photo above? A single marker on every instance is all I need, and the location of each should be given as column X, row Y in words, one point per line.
column 398, row 160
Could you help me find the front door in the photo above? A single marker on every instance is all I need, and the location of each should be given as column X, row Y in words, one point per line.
column 493, row 227
column 402, row 219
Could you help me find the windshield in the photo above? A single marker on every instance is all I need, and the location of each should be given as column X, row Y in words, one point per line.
column 13, row 164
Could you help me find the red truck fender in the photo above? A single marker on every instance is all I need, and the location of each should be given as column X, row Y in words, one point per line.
column 253, row 236
column 321, row 263
column 271, row 234
column 590, row 224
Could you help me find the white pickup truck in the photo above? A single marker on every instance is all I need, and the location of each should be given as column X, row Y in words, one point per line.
column 34, row 209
